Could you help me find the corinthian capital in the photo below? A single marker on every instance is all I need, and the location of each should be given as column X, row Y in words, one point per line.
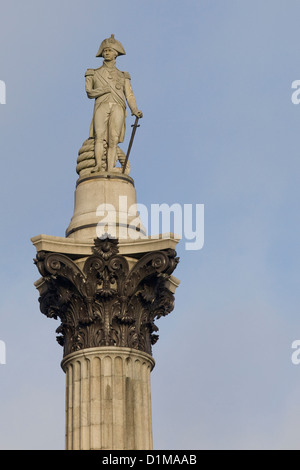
column 106, row 303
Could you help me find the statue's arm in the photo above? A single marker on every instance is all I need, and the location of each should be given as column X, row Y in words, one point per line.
column 89, row 86
column 130, row 98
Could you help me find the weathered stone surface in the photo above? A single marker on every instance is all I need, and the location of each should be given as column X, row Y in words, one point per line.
column 105, row 203
column 108, row 399
column 107, row 302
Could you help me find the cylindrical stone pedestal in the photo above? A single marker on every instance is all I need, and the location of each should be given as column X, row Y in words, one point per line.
column 108, row 399
column 105, row 203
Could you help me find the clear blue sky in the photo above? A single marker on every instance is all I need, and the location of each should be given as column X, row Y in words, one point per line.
column 213, row 79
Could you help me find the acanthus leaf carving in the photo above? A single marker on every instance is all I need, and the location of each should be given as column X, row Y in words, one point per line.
column 106, row 303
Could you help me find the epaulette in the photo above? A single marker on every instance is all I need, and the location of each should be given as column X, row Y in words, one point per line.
column 89, row 72
column 127, row 75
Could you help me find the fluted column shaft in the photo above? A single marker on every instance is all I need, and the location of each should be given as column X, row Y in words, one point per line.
column 108, row 399
column 107, row 305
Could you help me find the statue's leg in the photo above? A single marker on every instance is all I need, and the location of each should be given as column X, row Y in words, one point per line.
column 100, row 126
column 116, row 121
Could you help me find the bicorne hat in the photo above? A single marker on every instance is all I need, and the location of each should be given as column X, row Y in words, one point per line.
column 113, row 44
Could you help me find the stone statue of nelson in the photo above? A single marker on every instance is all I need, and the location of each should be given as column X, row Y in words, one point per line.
column 110, row 88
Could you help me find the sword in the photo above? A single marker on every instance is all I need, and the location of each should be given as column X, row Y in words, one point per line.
column 134, row 126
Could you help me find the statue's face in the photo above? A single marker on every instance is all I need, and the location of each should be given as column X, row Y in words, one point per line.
column 109, row 53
